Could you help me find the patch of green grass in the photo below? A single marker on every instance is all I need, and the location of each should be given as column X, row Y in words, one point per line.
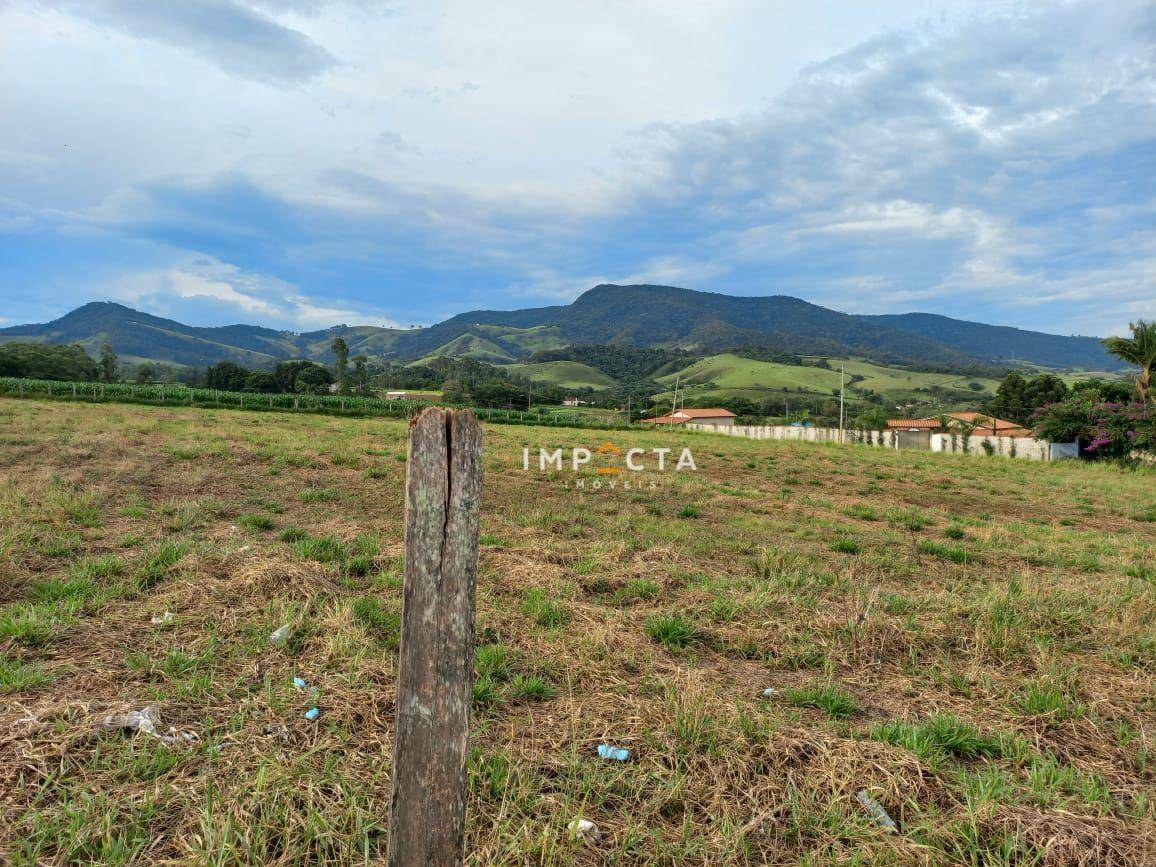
column 546, row 612
column 827, row 697
column 1049, row 700
column 158, row 563
column 378, row 620
column 256, row 522
column 35, row 625
column 16, row 676
column 955, row 532
column 688, row 512
column 940, row 735
column 323, row 549
column 494, row 661
column 863, row 512
column 292, row 534
column 909, row 519
column 359, row 564
column 672, row 631
column 643, row 589
column 847, row 545
column 486, row 692
column 945, row 552
column 317, row 495
column 530, row 687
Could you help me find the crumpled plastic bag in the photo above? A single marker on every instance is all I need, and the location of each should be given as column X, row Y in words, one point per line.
column 148, row 721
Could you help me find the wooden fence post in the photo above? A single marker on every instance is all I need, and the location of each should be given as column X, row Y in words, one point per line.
column 435, row 680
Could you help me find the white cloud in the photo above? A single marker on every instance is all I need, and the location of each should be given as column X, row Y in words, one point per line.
column 226, row 294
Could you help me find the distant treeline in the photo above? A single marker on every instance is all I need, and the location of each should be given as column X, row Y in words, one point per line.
column 47, row 361
column 624, row 363
column 470, row 381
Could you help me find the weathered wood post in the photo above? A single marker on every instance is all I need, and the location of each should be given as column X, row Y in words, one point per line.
column 443, row 491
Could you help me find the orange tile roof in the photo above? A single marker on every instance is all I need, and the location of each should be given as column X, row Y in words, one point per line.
column 684, row 415
column 997, row 426
column 909, row 423
column 712, row 412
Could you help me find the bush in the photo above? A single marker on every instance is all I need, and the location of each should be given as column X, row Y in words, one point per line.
column 1105, row 429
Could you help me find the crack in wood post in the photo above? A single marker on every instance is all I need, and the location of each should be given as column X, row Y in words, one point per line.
column 435, row 679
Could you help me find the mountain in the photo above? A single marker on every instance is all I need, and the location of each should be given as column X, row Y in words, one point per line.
column 141, row 336
column 637, row 315
column 1003, row 344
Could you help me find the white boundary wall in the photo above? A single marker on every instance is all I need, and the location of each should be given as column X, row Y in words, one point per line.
column 1008, row 447
column 1011, row 447
column 883, row 438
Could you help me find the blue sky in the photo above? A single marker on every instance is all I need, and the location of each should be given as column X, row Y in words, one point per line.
column 301, row 163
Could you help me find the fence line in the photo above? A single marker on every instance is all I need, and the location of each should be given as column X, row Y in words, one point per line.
column 348, row 405
column 1011, row 447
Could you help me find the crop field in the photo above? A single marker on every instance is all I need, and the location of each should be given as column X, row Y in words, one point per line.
column 969, row 640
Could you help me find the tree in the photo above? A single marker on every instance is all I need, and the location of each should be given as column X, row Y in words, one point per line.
column 313, row 379
column 226, row 376
column 1110, row 390
column 341, row 352
column 107, row 363
column 1018, row 398
column 47, row 361
column 360, row 372
column 145, row 373
column 262, row 382
column 1139, row 349
column 1104, row 428
column 873, row 418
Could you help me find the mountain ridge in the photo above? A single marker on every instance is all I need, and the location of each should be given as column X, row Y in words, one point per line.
column 640, row 315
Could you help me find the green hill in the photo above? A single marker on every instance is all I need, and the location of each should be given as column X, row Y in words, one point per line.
column 565, row 374
column 726, row 374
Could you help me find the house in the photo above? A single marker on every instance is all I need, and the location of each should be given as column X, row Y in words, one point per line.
column 412, row 395
column 573, row 401
column 716, row 416
column 985, row 425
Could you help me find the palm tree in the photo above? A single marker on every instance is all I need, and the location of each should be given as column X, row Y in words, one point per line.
column 1139, row 349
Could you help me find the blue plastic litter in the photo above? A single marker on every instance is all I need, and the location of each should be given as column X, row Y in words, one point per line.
column 615, row 754
column 299, row 683
column 312, row 713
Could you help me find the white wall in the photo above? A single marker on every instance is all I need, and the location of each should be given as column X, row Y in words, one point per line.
column 807, row 434
column 1017, row 447
column 1008, row 447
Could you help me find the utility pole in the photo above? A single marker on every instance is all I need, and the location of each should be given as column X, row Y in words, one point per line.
column 674, row 401
column 841, row 382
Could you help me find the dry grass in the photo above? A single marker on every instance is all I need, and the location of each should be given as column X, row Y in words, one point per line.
column 969, row 639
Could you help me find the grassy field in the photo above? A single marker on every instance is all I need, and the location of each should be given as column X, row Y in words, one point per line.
column 565, row 374
column 971, row 640
column 726, row 374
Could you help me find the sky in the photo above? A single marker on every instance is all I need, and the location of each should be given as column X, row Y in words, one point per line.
column 304, row 163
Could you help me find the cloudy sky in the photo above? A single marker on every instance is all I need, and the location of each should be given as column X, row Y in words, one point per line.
column 301, row 163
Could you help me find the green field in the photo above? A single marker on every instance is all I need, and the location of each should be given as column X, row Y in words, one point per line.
column 969, row 640
column 722, row 375
column 564, row 374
